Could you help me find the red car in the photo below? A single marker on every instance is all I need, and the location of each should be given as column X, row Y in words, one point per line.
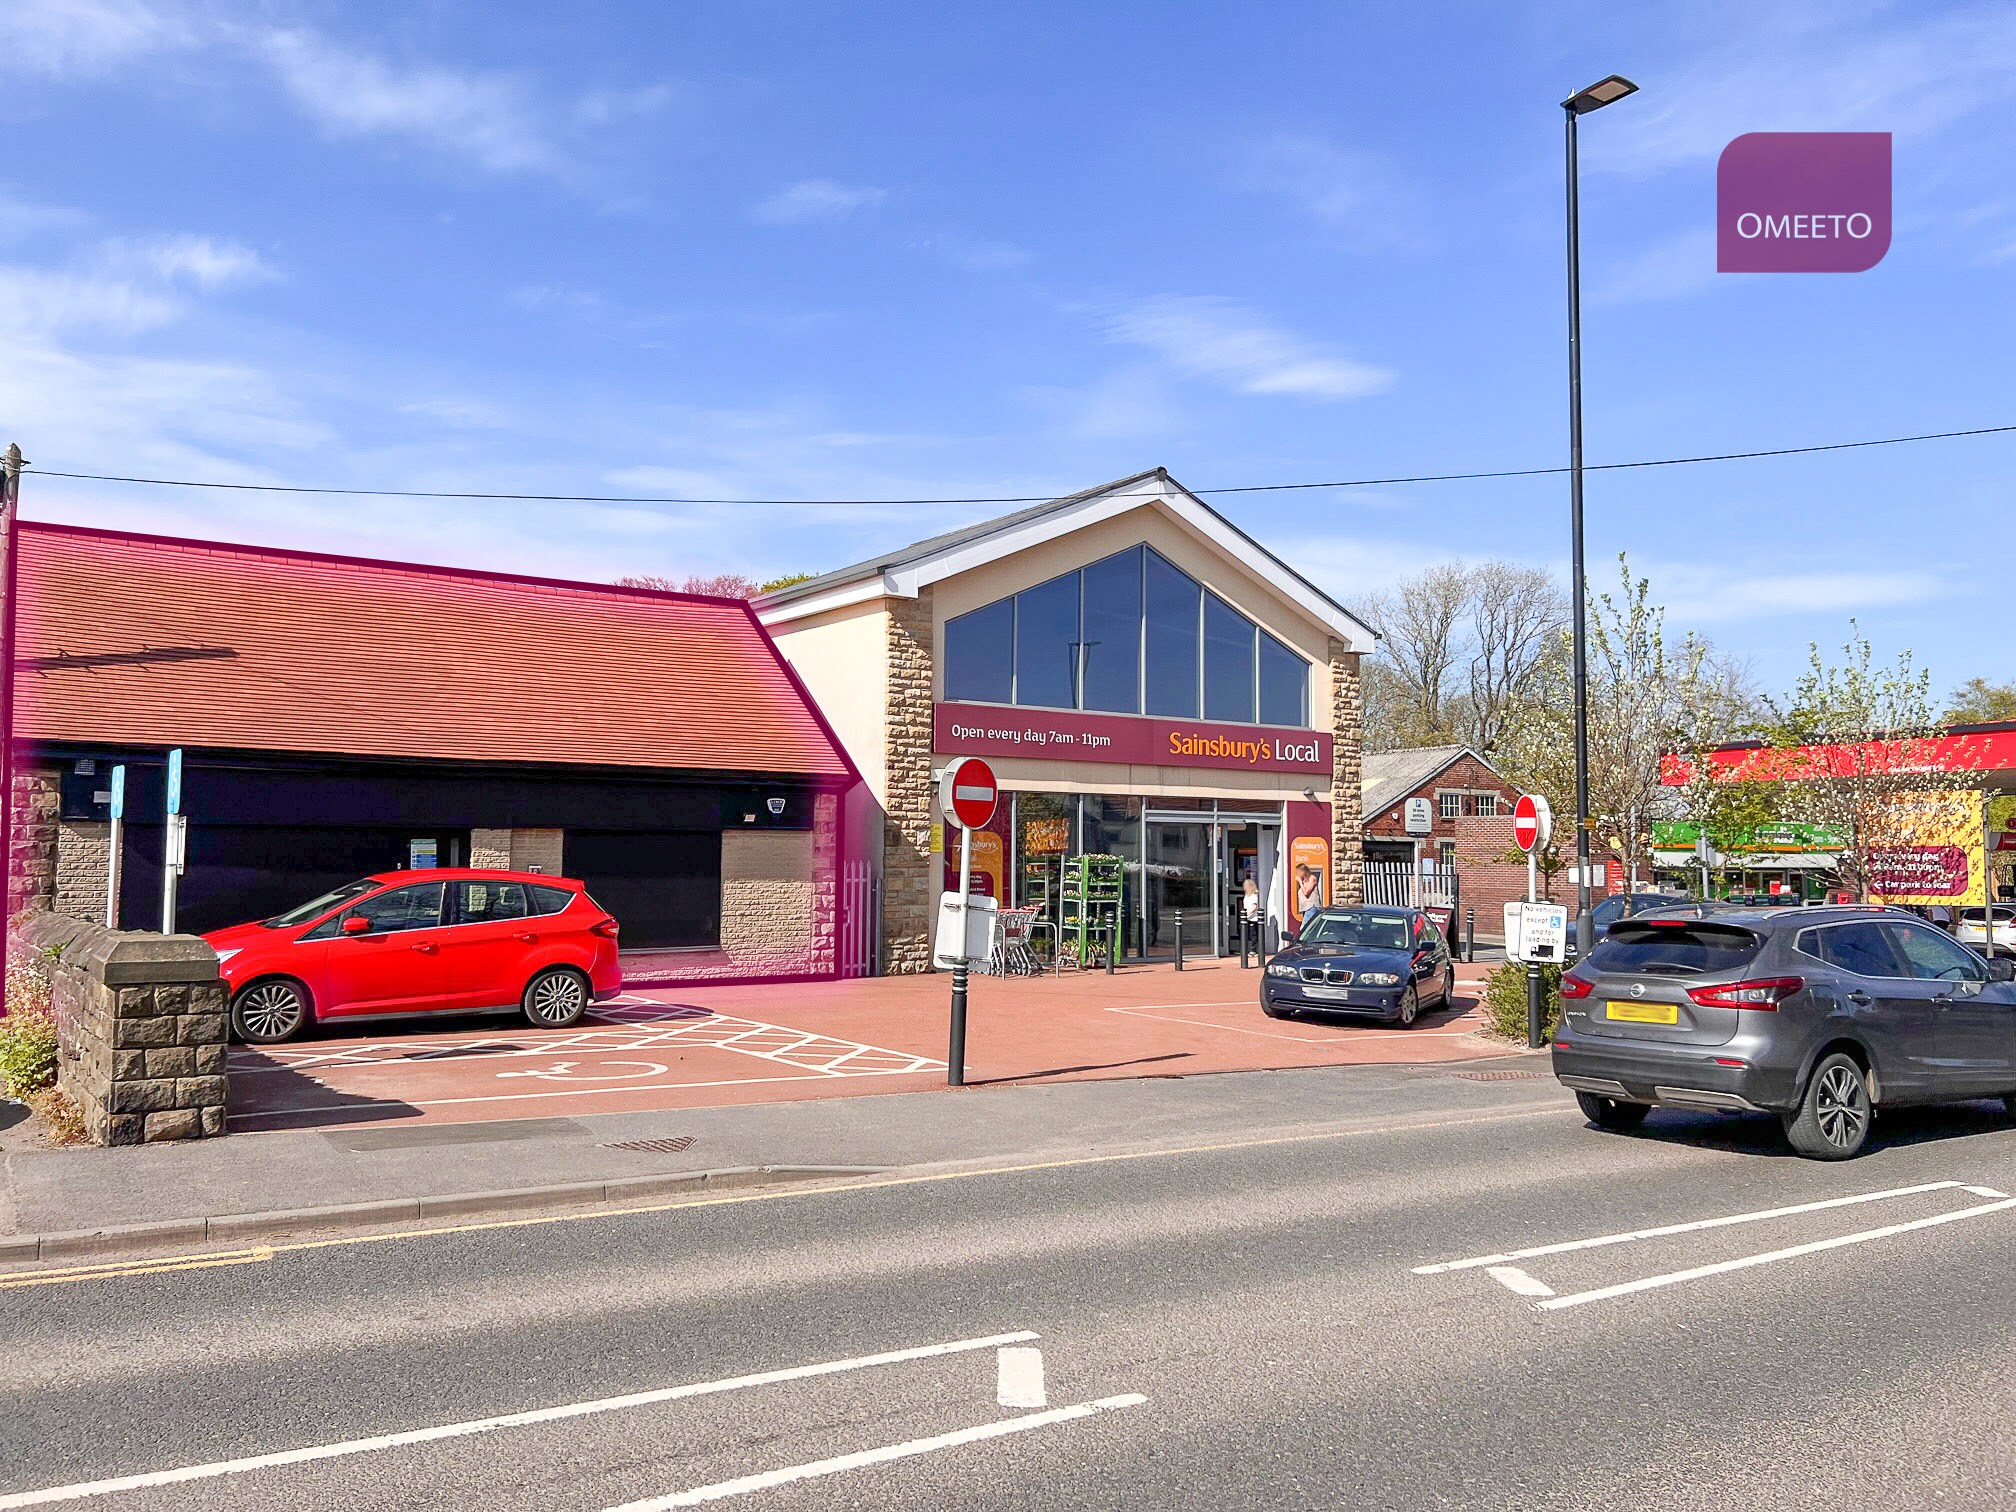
column 452, row 940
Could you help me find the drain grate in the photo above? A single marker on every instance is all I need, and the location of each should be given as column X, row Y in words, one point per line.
column 653, row 1146
column 1499, row 1075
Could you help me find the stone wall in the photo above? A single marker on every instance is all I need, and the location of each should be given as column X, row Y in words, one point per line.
column 768, row 893
column 31, row 872
column 1347, row 788
column 83, row 850
column 906, row 837
column 140, row 1024
column 540, row 850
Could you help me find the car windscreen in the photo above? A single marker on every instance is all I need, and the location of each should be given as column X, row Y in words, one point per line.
column 315, row 907
column 1372, row 931
column 1675, row 949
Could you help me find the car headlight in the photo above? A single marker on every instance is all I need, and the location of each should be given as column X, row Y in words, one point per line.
column 1277, row 969
column 225, row 955
column 1379, row 978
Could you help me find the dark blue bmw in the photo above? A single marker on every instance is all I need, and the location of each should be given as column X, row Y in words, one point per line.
column 1385, row 963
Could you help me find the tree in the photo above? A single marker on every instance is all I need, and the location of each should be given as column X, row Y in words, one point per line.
column 1460, row 651
column 721, row 585
column 1646, row 701
column 1978, row 701
column 788, row 580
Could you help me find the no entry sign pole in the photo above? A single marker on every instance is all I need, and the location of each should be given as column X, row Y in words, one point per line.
column 967, row 794
column 1532, row 827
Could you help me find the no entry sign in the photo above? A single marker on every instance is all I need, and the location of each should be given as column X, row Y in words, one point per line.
column 1532, row 823
column 967, row 793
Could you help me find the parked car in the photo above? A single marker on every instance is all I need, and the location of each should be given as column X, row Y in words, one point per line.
column 450, row 940
column 1376, row 962
column 1819, row 1015
column 1969, row 929
column 1608, row 911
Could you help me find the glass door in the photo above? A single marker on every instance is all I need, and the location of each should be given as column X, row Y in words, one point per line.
column 1180, row 887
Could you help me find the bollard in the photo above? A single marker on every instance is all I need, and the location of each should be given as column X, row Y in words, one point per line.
column 955, row 1061
column 1536, row 1008
column 1112, row 944
column 1469, row 934
column 1179, row 939
column 1245, row 944
column 1273, row 935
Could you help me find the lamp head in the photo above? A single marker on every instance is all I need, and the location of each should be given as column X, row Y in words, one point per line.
column 1603, row 92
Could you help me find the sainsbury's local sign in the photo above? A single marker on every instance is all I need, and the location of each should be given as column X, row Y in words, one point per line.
column 1127, row 739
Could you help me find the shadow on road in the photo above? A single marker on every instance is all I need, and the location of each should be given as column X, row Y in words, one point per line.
column 1028, row 1076
column 1754, row 1134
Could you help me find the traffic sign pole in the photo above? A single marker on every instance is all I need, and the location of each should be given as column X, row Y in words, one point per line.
column 173, row 839
column 967, row 793
column 955, row 1059
column 115, row 859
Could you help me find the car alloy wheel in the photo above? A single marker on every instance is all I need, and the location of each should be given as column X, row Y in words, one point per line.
column 1449, row 988
column 1833, row 1119
column 1410, row 1007
column 556, row 999
column 268, row 1012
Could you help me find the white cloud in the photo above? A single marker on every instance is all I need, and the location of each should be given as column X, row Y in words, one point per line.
column 457, row 414
column 64, row 38
column 1352, row 568
column 1679, row 265
column 816, row 200
column 1202, row 337
column 1130, row 404
column 487, row 119
column 1699, row 595
column 1354, row 193
column 208, row 262
column 22, row 219
column 44, row 300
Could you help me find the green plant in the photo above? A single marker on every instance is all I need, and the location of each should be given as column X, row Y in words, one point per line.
column 1505, row 999
column 27, row 1051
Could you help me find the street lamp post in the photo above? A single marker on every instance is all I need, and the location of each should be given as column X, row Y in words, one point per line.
column 1595, row 97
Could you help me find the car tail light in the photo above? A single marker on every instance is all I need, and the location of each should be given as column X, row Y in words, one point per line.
column 607, row 929
column 1764, row 994
column 1575, row 987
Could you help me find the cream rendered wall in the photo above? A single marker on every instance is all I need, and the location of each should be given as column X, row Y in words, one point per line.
column 843, row 658
column 1183, row 546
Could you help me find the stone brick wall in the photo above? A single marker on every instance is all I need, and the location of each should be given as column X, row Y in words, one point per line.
column 768, row 895
column 1347, row 802
column 83, row 849
column 906, row 836
column 140, row 1023
column 31, row 871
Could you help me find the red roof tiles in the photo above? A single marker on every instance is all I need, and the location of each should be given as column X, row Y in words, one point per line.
column 137, row 640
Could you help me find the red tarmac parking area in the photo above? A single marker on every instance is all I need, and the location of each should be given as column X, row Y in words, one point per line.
column 682, row 1047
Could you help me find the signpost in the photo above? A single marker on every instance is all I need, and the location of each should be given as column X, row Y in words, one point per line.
column 115, row 860
column 967, row 795
column 1533, row 827
column 174, row 842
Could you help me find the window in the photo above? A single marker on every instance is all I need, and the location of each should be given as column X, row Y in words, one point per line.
column 1284, row 684
column 1451, row 804
column 980, row 655
column 1930, row 955
column 1128, row 634
column 1675, row 950
column 550, row 900
column 1447, row 851
column 1046, row 644
column 1487, row 805
column 1862, row 949
column 1228, row 661
column 480, row 902
column 1173, row 602
column 393, row 912
column 1112, row 615
column 314, row 906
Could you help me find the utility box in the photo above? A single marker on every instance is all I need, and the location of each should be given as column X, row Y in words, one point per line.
column 983, row 931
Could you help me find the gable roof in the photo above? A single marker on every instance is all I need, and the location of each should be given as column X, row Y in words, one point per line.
column 900, row 573
column 1389, row 776
column 142, row 640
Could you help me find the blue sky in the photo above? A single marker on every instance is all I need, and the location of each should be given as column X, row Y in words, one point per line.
column 808, row 249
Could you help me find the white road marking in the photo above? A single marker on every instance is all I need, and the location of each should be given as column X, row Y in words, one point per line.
column 1986, row 1192
column 1679, row 1228
column 1514, row 1279
column 1018, row 1377
column 1328, row 1042
column 1794, row 1252
column 84, row 1489
column 764, row 1480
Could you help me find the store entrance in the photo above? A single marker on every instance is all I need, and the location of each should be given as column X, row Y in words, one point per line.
column 1181, row 887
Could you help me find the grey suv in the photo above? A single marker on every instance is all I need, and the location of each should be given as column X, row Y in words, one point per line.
column 1819, row 1015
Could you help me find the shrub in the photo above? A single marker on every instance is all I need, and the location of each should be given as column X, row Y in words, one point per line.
column 1505, row 999
column 61, row 1116
column 27, row 1051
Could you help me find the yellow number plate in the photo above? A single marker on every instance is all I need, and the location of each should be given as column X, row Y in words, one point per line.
column 1643, row 1013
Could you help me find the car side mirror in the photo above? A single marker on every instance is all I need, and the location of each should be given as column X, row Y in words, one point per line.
column 356, row 924
column 2001, row 969
column 1287, row 937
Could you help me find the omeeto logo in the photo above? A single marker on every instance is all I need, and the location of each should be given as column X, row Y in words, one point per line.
column 1803, row 202
column 1252, row 752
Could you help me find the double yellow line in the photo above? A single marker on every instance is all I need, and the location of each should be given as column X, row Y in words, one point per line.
column 259, row 1254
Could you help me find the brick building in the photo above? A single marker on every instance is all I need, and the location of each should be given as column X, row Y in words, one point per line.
column 341, row 717
column 1147, row 681
column 1436, row 807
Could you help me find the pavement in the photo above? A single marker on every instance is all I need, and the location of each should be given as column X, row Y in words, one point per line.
column 708, row 1046
column 1309, row 1301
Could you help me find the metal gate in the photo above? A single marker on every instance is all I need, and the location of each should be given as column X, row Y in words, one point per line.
column 1408, row 884
column 860, row 921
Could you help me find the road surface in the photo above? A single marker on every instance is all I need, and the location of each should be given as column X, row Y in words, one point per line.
column 1350, row 1316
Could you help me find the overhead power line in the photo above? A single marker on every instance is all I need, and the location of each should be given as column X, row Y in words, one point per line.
column 1243, row 488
